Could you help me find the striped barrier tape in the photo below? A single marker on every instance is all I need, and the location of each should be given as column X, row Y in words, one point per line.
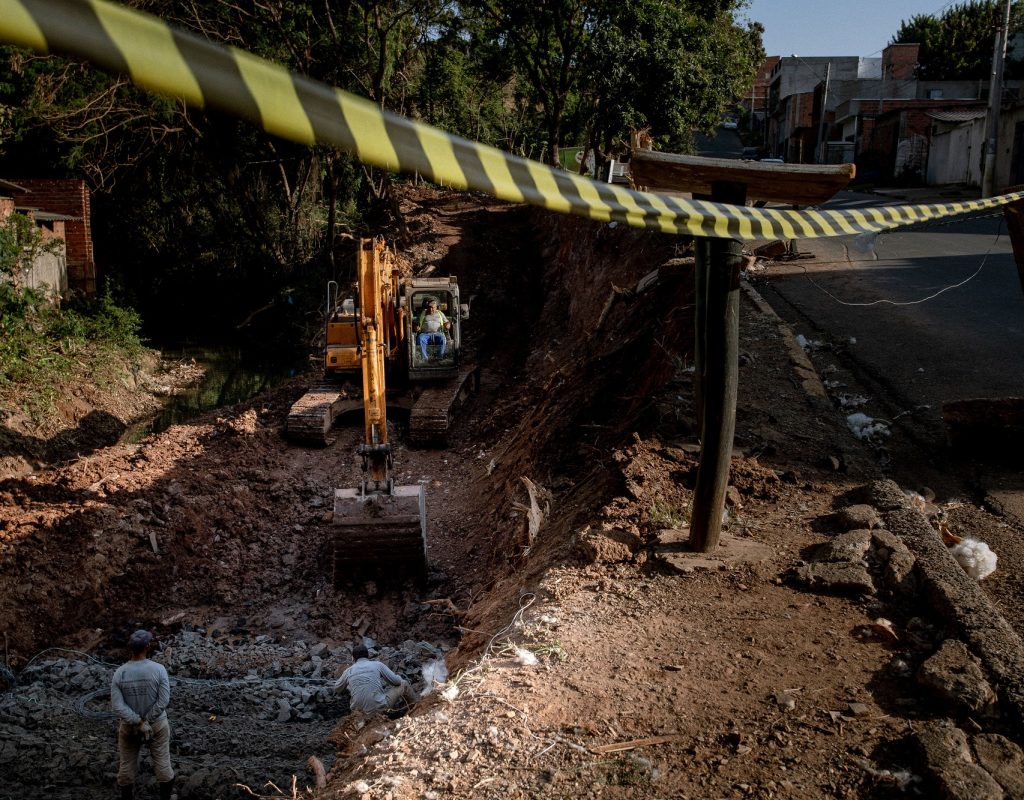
column 172, row 62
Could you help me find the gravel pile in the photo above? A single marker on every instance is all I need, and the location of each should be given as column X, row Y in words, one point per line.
column 242, row 713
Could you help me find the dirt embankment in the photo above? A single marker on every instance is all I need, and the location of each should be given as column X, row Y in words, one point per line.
column 584, row 661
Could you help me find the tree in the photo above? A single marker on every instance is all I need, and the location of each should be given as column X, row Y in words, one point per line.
column 958, row 44
column 600, row 67
column 21, row 242
column 544, row 42
column 673, row 67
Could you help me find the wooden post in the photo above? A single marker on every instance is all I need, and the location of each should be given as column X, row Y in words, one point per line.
column 702, row 265
column 716, row 285
column 723, row 258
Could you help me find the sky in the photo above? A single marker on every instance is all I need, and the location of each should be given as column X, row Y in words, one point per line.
column 834, row 27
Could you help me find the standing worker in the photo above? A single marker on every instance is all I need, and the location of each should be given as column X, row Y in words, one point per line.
column 139, row 694
column 372, row 686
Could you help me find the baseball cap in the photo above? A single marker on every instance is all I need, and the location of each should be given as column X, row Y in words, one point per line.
column 139, row 641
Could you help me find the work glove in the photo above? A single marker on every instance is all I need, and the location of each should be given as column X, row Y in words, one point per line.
column 145, row 730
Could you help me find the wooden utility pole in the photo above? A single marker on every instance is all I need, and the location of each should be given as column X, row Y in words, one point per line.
column 716, row 349
column 717, row 304
column 822, row 146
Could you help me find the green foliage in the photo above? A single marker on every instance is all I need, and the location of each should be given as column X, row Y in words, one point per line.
column 672, row 67
column 204, row 221
column 21, row 241
column 597, row 68
column 958, row 44
column 41, row 344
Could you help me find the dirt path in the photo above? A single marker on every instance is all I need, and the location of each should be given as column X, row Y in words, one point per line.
column 586, row 658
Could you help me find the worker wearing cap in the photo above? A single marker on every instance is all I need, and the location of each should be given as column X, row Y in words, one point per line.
column 139, row 694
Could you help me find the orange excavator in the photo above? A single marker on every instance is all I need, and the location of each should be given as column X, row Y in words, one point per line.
column 380, row 351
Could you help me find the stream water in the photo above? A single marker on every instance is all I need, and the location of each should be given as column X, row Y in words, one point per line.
column 231, row 376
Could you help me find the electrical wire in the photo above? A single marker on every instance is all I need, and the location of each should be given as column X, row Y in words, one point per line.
column 887, row 301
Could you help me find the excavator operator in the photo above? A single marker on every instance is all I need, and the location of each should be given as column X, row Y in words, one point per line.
column 431, row 328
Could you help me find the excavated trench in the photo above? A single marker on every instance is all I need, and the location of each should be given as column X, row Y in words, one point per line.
column 216, row 533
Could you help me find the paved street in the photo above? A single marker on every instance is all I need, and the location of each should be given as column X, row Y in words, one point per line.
column 967, row 341
column 921, row 316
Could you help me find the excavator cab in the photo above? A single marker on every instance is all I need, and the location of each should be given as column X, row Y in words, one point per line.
column 435, row 323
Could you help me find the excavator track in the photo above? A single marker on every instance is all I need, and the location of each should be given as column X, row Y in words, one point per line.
column 432, row 412
column 311, row 417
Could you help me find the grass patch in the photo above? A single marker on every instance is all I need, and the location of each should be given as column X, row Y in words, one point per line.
column 667, row 515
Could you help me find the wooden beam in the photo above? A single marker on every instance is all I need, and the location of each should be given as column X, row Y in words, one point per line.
column 792, row 184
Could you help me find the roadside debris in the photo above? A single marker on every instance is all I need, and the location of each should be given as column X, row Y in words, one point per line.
column 975, row 557
column 867, row 428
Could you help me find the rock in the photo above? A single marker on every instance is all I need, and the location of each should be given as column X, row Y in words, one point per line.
column 284, row 711
column 948, row 766
column 850, row 546
column 1003, row 759
column 836, row 577
column 195, row 781
column 8, row 750
column 784, row 700
column 956, row 676
column 317, row 649
column 857, row 517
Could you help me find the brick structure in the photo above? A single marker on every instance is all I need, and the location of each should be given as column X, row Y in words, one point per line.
column 70, row 197
column 901, row 121
column 899, row 61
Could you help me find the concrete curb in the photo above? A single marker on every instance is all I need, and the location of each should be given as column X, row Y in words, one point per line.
column 956, row 598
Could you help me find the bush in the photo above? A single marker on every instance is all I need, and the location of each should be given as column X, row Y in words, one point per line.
column 42, row 344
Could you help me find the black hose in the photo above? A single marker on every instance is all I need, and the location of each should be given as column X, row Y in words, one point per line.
column 83, row 700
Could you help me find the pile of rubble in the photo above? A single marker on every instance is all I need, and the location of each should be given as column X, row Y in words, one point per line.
column 247, row 713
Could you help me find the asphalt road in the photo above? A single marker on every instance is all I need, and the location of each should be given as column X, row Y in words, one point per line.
column 923, row 315
column 967, row 341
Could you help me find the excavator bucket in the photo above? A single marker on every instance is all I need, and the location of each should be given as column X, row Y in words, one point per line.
column 380, row 533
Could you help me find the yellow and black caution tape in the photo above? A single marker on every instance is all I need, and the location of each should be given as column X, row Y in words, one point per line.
column 172, row 62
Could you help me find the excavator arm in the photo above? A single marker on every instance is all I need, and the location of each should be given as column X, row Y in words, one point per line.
column 378, row 337
column 380, row 527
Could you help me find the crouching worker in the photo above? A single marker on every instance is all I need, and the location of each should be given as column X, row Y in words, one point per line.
column 139, row 694
column 372, row 686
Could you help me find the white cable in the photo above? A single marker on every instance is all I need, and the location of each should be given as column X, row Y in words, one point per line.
column 886, row 301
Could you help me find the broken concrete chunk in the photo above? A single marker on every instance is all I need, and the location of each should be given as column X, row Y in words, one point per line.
column 858, row 516
column 898, row 573
column 849, row 546
column 842, row 577
column 1004, row 761
column 886, row 496
column 956, row 676
column 948, row 766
